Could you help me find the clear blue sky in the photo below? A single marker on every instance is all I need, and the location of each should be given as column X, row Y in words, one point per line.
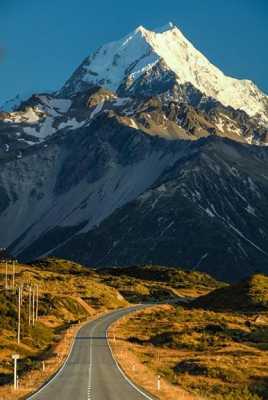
column 43, row 41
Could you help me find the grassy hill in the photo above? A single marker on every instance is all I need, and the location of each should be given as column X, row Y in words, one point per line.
column 248, row 295
column 215, row 347
column 68, row 293
column 157, row 283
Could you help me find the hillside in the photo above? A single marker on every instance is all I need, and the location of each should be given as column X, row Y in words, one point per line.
column 212, row 199
column 211, row 353
column 174, row 276
column 157, row 283
column 248, row 295
column 67, row 294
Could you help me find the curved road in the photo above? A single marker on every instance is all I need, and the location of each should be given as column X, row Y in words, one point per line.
column 90, row 372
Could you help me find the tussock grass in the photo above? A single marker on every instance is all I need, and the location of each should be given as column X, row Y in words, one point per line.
column 216, row 355
column 248, row 295
column 157, row 283
column 68, row 294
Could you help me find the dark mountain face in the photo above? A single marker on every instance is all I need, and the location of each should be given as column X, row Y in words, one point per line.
column 157, row 171
column 206, row 212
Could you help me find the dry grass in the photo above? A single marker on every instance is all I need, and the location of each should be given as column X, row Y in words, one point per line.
column 213, row 355
column 35, row 378
column 156, row 283
column 69, row 295
column 143, row 364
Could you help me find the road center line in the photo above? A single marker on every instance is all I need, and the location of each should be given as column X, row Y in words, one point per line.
column 89, row 389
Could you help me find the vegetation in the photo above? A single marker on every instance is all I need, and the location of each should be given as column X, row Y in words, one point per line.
column 249, row 295
column 157, row 283
column 68, row 294
column 215, row 347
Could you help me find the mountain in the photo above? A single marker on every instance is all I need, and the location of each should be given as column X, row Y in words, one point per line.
column 208, row 211
column 144, row 54
column 148, row 154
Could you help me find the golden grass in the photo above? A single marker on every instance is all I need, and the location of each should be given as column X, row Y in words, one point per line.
column 184, row 347
column 133, row 359
column 69, row 295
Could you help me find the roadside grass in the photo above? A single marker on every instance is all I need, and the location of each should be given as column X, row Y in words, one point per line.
column 68, row 295
column 213, row 355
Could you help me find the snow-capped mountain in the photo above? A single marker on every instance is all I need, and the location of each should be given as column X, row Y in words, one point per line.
column 121, row 63
column 149, row 153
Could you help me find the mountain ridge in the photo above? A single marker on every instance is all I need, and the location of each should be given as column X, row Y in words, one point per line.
column 190, row 170
column 142, row 49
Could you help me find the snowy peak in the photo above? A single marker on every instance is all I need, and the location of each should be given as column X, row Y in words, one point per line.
column 139, row 52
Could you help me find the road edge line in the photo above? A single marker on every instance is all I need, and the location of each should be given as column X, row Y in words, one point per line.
column 123, row 373
column 57, row 373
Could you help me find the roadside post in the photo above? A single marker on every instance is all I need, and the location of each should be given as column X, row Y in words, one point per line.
column 15, row 357
column 158, row 383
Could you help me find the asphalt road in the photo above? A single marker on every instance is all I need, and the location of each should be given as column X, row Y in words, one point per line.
column 90, row 372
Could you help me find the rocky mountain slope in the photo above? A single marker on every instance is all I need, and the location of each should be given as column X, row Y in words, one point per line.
column 149, row 153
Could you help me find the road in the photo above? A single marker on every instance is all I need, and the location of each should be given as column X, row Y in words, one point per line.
column 90, row 372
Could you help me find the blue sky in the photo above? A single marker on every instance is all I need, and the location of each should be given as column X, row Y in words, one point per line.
column 42, row 42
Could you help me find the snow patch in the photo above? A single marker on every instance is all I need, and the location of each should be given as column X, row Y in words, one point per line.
column 71, row 124
column 97, row 110
column 43, row 130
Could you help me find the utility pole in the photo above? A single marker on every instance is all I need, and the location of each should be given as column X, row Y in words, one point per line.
column 14, row 271
column 33, row 310
column 21, row 294
column 6, row 282
column 37, row 303
column 19, row 313
column 15, row 358
column 30, row 306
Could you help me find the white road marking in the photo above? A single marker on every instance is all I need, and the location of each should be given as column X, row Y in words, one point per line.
column 122, row 372
column 58, row 373
column 90, row 362
column 89, row 388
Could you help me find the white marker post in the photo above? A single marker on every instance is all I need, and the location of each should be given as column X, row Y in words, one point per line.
column 15, row 358
column 158, row 383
